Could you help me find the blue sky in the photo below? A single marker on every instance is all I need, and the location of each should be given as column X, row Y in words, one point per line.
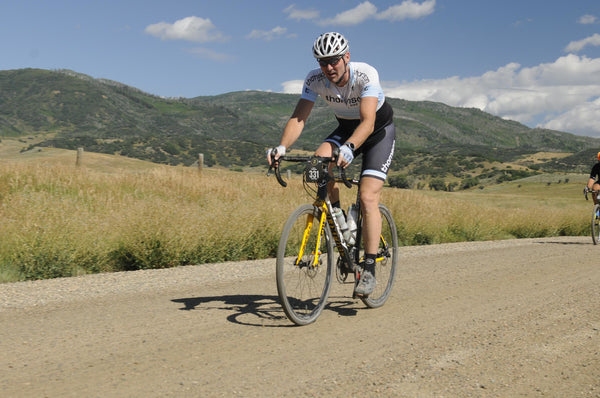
column 534, row 61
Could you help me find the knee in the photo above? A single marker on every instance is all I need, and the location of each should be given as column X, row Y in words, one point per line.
column 369, row 201
column 325, row 149
column 370, row 193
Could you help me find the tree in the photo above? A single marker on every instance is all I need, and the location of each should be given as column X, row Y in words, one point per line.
column 469, row 182
column 399, row 181
column 438, row 184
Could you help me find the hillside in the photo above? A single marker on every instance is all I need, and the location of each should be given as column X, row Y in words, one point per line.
column 65, row 109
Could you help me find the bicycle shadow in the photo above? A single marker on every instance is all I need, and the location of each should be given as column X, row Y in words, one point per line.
column 557, row 242
column 258, row 310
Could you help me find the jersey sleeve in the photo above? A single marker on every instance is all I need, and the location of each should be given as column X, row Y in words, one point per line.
column 370, row 84
column 595, row 173
column 308, row 88
column 308, row 94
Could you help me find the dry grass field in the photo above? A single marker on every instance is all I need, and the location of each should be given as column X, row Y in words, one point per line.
column 112, row 213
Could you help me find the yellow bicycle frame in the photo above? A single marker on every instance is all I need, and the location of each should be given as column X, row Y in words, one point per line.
column 307, row 230
column 316, row 252
column 385, row 246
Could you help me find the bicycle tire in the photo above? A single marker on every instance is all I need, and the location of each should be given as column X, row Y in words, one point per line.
column 303, row 289
column 596, row 225
column 385, row 271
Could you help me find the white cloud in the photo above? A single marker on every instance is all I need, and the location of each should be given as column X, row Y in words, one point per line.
column 587, row 19
column 210, row 54
column 408, row 10
column 582, row 118
column 267, row 35
column 192, row 28
column 298, row 15
column 366, row 10
column 522, row 22
column 354, row 16
column 558, row 93
column 576, row 46
column 292, row 86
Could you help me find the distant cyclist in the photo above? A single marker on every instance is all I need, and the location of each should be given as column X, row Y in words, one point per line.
column 365, row 126
column 593, row 184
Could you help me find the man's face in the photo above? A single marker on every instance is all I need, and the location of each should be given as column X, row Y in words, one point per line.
column 334, row 68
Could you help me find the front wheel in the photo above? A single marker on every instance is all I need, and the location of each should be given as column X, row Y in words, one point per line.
column 387, row 260
column 596, row 224
column 304, row 265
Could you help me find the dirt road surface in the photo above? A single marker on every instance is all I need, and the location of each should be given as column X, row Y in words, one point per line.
column 518, row 318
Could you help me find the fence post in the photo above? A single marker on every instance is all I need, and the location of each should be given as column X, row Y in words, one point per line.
column 79, row 156
column 200, row 162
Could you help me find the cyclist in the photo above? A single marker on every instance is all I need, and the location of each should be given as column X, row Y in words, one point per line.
column 593, row 184
column 365, row 126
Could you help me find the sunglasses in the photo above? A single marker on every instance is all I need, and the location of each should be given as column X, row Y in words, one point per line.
column 330, row 61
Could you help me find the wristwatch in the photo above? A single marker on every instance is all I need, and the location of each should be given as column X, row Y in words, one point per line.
column 350, row 145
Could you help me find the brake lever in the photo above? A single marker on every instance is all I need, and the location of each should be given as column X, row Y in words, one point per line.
column 275, row 166
column 278, row 175
column 336, row 155
column 343, row 176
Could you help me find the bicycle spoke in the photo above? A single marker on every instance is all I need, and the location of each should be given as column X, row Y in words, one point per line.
column 596, row 225
column 304, row 265
column 387, row 258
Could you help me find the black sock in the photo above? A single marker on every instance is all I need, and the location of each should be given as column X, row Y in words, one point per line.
column 370, row 262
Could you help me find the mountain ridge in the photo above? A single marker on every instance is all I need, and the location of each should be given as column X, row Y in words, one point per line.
column 69, row 110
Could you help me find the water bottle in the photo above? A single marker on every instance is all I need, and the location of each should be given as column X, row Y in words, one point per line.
column 350, row 236
column 339, row 217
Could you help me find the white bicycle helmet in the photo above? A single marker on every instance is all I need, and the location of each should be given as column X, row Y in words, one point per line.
column 330, row 44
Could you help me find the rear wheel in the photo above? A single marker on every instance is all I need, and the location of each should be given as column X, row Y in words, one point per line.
column 596, row 224
column 304, row 270
column 387, row 260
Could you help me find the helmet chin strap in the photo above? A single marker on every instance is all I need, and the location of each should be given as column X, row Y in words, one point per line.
column 343, row 74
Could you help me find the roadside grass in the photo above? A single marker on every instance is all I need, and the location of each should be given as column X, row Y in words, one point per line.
column 117, row 214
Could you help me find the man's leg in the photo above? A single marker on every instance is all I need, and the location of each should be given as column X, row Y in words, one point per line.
column 370, row 193
column 326, row 150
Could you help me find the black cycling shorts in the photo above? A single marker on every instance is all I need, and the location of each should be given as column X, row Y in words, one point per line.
column 377, row 150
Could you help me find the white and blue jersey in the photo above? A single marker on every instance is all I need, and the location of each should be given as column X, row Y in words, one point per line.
column 378, row 149
column 345, row 101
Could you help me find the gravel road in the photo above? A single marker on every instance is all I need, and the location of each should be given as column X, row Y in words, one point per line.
column 516, row 318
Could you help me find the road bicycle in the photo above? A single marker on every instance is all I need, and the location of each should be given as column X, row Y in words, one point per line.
column 595, row 218
column 313, row 247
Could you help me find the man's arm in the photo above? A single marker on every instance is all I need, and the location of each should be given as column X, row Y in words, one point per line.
column 293, row 128
column 368, row 111
column 295, row 124
column 590, row 183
